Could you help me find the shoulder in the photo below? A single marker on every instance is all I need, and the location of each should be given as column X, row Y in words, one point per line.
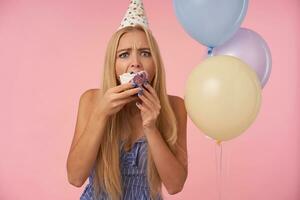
column 178, row 106
column 177, row 103
column 88, row 98
column 89, row 94
column 175, row 99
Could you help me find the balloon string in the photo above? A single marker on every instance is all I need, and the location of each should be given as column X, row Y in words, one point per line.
column 218, row 156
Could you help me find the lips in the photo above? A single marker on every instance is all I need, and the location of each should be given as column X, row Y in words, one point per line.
column 132, row 72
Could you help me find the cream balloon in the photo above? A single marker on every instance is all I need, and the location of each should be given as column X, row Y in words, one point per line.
column 222, row 97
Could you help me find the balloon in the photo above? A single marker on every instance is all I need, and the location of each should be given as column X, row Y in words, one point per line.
column 210, row 22
column 222, row 97
column 252, row 49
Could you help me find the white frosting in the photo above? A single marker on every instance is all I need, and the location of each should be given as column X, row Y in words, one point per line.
column 126, row 77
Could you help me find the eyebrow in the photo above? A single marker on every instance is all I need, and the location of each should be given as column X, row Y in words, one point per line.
column 129, row 49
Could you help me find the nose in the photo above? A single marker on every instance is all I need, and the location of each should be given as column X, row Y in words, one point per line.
column 135, row 61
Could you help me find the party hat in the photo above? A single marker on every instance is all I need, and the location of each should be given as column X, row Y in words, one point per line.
column 135, row 15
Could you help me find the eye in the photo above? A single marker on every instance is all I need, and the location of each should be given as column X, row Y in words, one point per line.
column 124, row 55
column 146, row 53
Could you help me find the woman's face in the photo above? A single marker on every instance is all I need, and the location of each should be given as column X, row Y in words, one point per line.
column 133, row 54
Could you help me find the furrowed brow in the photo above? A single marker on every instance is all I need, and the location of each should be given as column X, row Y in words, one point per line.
column 126, row 49
column 142, row 49
column 129, row 49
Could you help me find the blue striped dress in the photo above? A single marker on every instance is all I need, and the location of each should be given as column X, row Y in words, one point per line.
column 134, row 175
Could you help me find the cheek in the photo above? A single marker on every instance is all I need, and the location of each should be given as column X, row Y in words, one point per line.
column 120, row 68
column 151, row 70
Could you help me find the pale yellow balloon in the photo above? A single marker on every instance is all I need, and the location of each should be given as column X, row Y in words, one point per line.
column 223, row 97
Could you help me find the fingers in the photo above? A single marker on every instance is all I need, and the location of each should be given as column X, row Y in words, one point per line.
column 125, row 90
column 122, row 102
column 123, row 87
column 151, row 90
column 147, row 102
column 149, row 96
column 128, row 93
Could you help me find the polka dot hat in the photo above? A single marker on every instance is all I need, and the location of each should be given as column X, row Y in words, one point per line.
column 135, row 15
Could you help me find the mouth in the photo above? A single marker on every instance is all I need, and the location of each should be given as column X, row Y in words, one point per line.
column 134, row 72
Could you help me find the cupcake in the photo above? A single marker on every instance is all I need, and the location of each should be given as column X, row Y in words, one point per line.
column 139, row 78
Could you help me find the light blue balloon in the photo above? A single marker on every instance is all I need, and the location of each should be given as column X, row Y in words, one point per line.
column 211, row 22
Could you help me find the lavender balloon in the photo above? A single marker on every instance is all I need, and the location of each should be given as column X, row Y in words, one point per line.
column 250, row 47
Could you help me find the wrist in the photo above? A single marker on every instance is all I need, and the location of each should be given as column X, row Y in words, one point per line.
column 149, row 128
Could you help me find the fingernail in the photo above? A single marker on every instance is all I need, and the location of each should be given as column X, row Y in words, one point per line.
column 140, row 92
column 133, row 84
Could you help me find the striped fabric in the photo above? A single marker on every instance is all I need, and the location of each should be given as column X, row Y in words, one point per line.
column 134, row 175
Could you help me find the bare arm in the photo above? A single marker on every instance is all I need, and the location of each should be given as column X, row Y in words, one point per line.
column 93, row 113
column 172, row 173
column 171, row 167
column 87, row 138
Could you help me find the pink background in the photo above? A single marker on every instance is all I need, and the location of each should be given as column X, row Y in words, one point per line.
column 52, row 51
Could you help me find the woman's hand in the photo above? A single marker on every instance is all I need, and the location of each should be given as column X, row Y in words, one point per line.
column 114, row 99
column 150, row 106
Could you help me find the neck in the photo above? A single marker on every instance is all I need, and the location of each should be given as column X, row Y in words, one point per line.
column 134, row 118
column 134, row 111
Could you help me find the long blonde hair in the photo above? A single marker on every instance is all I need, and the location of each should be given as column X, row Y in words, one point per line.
column 107, row 174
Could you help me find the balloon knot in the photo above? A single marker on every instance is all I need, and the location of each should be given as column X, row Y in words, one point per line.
column 209, row 51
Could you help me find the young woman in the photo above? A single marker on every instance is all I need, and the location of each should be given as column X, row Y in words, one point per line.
column 129, row 144
column 129, row 141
